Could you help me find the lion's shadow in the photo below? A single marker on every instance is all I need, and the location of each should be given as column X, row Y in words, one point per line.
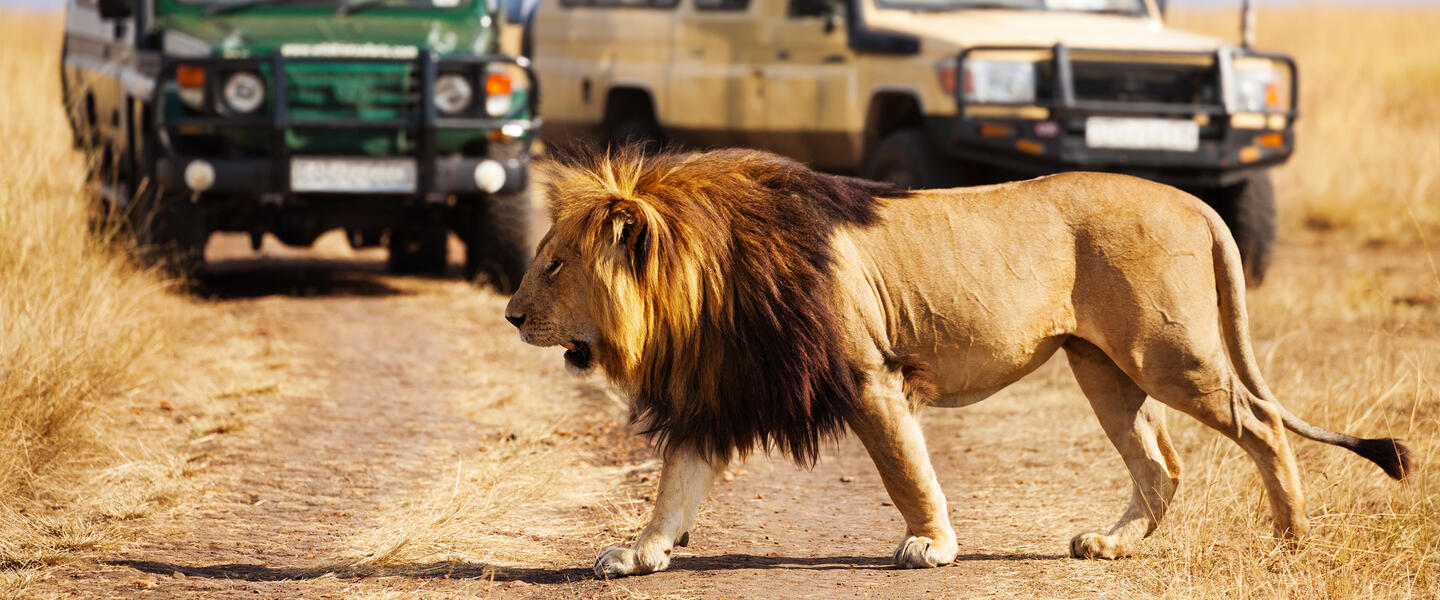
column 472, row 570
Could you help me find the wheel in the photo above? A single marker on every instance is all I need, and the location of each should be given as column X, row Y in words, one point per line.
column 170, row 231
column 1248, row 208
column 497, row 245
column 908, row 159
column 641, row 131
column 418, row 250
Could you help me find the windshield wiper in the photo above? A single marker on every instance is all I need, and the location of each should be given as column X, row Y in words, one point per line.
column 944, row 7
column 220, row 9
column 359, row 5
column 349, row 7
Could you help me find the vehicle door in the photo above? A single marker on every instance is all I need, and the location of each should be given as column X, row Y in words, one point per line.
column 97, row 50
column 585, row 49
column 712, row 99
column 808, row 90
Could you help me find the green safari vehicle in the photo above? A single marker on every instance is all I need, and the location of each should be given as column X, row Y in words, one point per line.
column 393, row 119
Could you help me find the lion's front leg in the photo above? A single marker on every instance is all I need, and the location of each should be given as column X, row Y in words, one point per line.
column 892, row 436
column 685, row 480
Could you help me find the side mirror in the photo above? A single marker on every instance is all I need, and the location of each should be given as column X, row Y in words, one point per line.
column 833, row 15
column 116, row 9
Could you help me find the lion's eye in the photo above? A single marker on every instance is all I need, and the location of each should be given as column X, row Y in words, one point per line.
column 554, row 267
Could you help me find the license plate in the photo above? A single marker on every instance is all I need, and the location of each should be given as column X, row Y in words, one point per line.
column 1142, row 134
column 352, row 175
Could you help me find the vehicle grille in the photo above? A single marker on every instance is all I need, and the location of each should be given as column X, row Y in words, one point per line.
column 369, row 91
column 1178, row 84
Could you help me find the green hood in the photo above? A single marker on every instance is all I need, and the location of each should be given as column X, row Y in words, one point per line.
column 263, row 30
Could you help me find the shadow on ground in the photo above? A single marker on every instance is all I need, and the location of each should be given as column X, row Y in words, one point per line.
column 294, row 277
column 470, row 570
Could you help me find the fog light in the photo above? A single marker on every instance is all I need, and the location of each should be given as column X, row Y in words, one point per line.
column 490, row 176
column 199, row 175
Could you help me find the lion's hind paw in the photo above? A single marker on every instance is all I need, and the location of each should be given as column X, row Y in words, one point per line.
column 1094, row 545
column 918, row 552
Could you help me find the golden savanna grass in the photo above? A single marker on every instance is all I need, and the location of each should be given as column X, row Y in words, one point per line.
column 1367, row 165
column 1348, row 334
column 83, row 334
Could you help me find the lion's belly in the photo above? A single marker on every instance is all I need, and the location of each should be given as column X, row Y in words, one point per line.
column 983, row 297
column 972, row 358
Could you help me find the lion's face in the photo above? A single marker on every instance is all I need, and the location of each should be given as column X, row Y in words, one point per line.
column 550, row 308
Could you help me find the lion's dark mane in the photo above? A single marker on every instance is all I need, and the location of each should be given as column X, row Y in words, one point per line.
column 766, row 366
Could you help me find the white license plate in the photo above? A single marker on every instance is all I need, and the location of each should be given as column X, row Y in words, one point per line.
column 1142, row 134
column 352, row 175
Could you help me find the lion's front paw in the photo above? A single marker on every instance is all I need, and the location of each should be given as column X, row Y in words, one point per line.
column 1094, row 545
column 620, row 561
column 922, row 553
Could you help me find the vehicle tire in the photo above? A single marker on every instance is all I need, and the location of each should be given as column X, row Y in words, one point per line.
column 497, row 244
column 418, row 250
column 908, row 159
column 639, row 130
column 1248, row 208
column 170, row 231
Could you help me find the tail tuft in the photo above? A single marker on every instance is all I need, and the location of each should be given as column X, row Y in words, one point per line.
column 1389, row 453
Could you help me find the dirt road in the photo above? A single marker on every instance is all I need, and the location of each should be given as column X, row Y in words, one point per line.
column 392, row 387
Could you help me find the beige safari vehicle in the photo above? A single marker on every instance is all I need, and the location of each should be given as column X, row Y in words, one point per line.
column 930, row 93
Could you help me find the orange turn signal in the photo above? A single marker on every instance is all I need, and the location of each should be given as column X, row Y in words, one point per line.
column 498, row 84
column 1272, row 140
column 995, row 130
column 190, row 76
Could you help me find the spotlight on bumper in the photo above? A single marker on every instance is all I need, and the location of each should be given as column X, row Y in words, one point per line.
column 489, row 176
column 199, row 175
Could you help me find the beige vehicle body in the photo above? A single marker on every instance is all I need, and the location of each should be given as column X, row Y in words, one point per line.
column 901, row 90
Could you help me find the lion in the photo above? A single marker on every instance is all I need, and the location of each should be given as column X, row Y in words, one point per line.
column 745, row 302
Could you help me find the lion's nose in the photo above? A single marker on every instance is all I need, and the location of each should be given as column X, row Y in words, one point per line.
column 516, row 320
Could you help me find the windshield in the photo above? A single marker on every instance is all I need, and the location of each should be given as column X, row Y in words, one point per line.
column 1127, row 7
column 332, row 3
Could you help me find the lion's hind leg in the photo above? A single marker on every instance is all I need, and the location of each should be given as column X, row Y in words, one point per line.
column 1137, row 428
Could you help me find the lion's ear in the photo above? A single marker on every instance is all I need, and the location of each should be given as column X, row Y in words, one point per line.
column 631, row 233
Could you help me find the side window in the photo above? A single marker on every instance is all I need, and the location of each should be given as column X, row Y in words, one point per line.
column 815, row 8
column 722, row 4
column 620, row 3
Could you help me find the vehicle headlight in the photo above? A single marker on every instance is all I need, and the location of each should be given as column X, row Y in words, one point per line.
column 244, row 92
column 1260, row 85
column 453, row 93
column 997, row 81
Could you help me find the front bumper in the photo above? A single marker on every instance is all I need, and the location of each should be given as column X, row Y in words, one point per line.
column 1049, row 135
column 448, row 176
column 268, row 177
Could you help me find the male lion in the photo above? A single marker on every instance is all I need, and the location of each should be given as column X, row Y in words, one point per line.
column 744, row 300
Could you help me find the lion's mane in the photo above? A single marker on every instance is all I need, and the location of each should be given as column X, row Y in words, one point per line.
column 716, row 308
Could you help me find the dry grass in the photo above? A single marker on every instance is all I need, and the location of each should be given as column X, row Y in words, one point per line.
column 1349, row 336
column 82, row 333
column 1345, row 344
column 1367, row 164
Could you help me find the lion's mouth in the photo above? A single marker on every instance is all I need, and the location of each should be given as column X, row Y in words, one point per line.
column 577, row 353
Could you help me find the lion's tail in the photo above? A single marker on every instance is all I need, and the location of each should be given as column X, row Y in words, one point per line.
column 1388, row 453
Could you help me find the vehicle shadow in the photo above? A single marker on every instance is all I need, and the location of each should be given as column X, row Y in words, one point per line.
column 329, row 268
column 296, row 277
column 471, row 570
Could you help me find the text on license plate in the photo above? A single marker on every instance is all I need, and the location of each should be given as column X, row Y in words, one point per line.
column 355, row 175
column 1142, row 134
